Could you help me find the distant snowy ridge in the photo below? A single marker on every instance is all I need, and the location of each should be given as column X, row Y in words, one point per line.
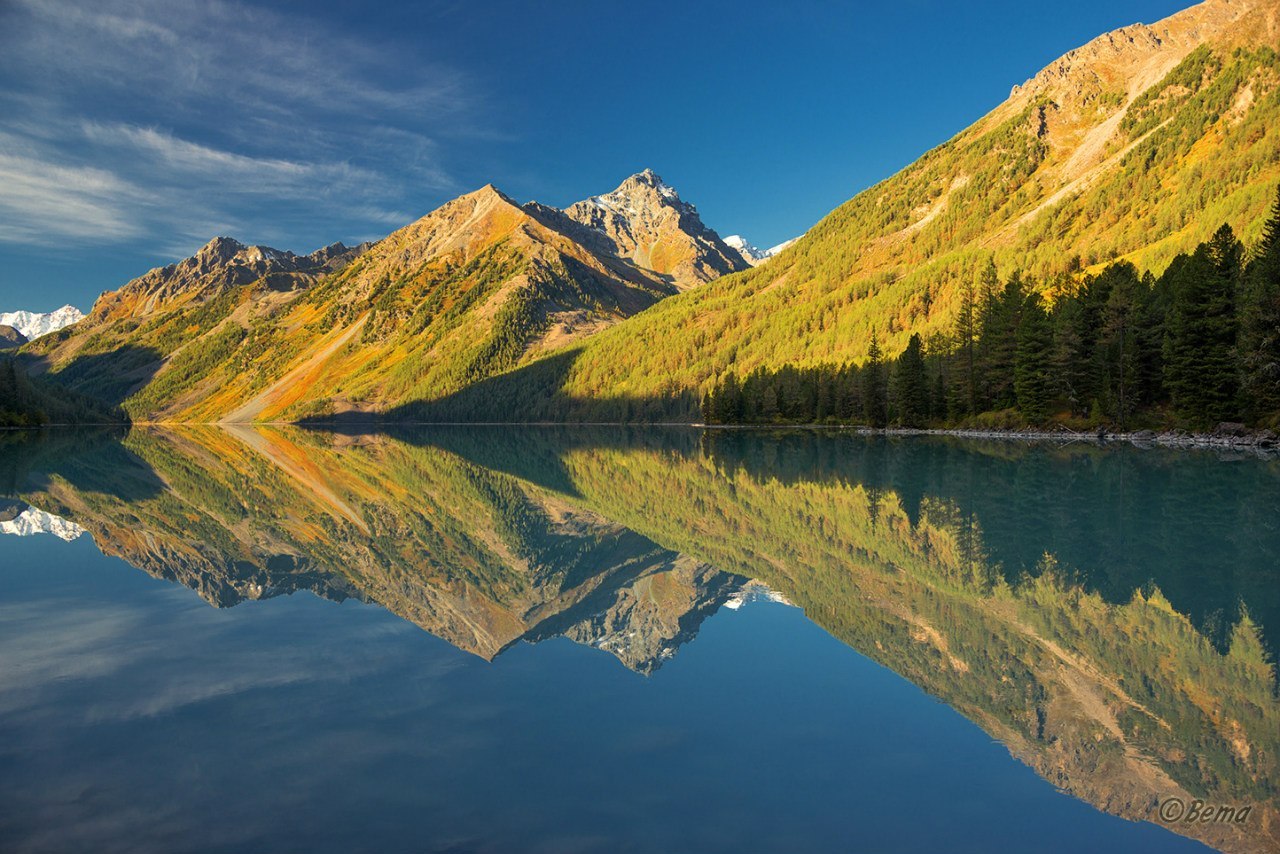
column 752, row 254
column 755, row 591
column 34, row 325
column 31, row 521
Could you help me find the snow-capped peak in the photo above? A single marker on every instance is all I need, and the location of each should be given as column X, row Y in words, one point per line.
column 33, row 325
column 754, row 591
column 774, row 250
column 32, row 521
column 753, row 254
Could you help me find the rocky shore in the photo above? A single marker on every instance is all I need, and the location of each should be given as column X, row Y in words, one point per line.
column 1226, row 436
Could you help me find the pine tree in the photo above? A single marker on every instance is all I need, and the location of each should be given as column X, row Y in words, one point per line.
column 910, row 385
column 875, row 398
column 1121, row 344
column 1260, row 322
column 1200, row 361
column 966, row 333
column 848, row 397
column 1071, row 353
column 1033, row 381
column 998, row 345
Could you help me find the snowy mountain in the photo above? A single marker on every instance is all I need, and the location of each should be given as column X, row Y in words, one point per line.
column 25, row 521
column 752, row 254
column 34, row 325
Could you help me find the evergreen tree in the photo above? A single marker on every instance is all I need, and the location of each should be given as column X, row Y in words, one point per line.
column 1033, row 381
column 966, row 332
column 998, row 345
column 875, row 398
column 1071, row 354
column 848, row 395
column 1121, row 344
column 910, row 385
column 1200, row 362
column 1260, row 322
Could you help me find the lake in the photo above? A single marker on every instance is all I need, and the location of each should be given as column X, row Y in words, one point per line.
column 634, row 640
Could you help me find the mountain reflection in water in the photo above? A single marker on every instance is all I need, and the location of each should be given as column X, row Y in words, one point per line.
column 1109, row 614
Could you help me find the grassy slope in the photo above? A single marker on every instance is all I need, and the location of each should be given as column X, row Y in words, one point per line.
column 1199, row 148
column 469, row 291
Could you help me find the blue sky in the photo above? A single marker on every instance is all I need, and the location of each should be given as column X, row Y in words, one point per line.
column 132, row 131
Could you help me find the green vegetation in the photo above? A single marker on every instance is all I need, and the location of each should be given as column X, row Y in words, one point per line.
column 1193, row 348
column 915, row 252
column 28, row 403
column 190, row 366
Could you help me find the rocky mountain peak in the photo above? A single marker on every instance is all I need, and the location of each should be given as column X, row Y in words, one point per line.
column 645, row 221
column 222, row 263
column 1130, row 59
column 219, row 249
column 644, row 190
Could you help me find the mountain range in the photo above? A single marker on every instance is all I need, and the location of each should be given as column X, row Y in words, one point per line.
column 753, row 254
column 479, row 286
column 1136, row 146
column 32, row 325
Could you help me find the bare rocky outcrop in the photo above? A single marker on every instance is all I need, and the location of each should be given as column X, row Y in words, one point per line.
column 645, row 220
column 220, row 264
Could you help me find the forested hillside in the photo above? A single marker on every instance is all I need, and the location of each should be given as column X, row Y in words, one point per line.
column 1196, row 346
column 1135, row 148
column 24, row 403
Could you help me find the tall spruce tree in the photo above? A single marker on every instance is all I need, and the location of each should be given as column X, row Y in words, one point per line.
column 875, row 397
column 998, row 345
column 910, row 385
column 966, row 336
column 1260, row 322
column 1122, row 344
column 1033, row 369
column 1200, row 360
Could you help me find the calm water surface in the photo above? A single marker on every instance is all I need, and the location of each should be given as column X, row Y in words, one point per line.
column 632, row 640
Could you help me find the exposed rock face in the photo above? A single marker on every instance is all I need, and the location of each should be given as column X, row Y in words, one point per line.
column 1135, row 57
column 220, row 264
column 1086, row 92
column 33, row 325
column 648, row 621
column 646, row 221
column 11, row 338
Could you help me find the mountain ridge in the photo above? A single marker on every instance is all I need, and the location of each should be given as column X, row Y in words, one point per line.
column 475, row 287
column 1133, row 147
column 33, row 324
column 1084, row 166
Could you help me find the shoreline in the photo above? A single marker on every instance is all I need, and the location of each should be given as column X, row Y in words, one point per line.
column 1233, row 437
column 1262, row 442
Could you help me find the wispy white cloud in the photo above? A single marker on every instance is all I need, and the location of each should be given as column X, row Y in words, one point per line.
column 157, row 120
column 44, row 202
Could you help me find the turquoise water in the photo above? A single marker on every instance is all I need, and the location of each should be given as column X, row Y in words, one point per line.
column 560, row 640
